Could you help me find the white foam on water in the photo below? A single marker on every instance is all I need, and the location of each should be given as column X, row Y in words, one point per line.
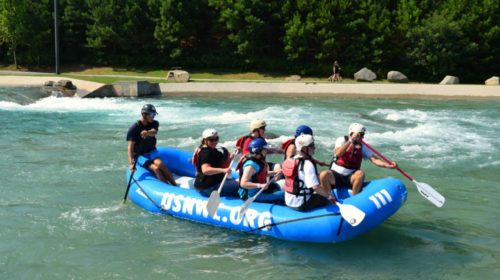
column 397, row 115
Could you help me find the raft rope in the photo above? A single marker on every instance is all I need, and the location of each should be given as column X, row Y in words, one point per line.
column 294, row 220
column 149, row 198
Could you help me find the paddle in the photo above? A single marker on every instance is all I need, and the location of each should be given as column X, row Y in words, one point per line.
column 352, row 214
column 424, row 189
column 129, row 183
column 249, row 201
column 214, row 199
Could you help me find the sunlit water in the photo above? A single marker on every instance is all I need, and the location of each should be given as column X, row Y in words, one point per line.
column 62, row 180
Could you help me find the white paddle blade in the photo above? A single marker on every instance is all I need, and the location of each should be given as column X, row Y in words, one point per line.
column 431, row 194
column 213, row 203
column 244, row 208
column 352, row 214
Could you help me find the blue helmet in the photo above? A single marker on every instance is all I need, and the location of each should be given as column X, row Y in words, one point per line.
column 257, row 145
column 303, row 129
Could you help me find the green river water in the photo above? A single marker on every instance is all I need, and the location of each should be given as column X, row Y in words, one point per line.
column 62, row 180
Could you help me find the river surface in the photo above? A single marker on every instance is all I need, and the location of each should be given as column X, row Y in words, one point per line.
column 62, row 180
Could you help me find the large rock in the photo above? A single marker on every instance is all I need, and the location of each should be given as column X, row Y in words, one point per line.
column 365, row 75
column 293, row 78
column 450, row 80
column 493, row 81
column 62, row 88
column 179, row 76
column 396, row 77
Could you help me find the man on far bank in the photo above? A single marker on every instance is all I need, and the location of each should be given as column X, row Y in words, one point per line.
column 141, row 138
column 349, row 153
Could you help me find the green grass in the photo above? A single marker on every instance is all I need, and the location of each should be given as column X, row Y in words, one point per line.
column 98, row 74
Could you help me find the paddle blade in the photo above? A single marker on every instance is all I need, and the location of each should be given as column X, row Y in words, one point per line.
column 245, row 206
column 213, row 203
column 431, row 194
column 352, row 214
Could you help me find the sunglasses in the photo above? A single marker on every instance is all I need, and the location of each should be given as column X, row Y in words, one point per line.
column 152, row 115
column 213, row 139
column 262, row 127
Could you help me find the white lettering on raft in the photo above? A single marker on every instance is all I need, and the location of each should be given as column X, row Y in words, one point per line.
column 192, row 206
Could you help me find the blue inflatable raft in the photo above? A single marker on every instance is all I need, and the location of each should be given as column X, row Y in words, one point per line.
column 380, row 199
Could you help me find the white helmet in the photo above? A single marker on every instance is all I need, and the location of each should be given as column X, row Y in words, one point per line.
column 256, row 124
column 303, row 140
column 209, row 132
column 356, row 127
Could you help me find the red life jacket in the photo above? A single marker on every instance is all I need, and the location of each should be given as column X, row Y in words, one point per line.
column 242, row 144
column 259, row 177
column 293, row 184
column 352, row 157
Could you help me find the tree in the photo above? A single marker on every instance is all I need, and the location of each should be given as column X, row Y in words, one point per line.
column 25, row 28
column 249, row 29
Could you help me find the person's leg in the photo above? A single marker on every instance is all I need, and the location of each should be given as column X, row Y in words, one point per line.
column 230, row 188
column 161, row 171
column 357, row 179
column 272, row 194
column 315, row 201
column 327, row 182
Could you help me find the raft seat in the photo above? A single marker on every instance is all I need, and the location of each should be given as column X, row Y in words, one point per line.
column 184, row 182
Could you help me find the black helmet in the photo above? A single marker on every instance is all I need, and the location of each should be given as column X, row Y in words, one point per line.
column 149, row 109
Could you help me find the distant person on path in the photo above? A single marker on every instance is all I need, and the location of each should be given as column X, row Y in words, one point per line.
column 141, row 139
column 212, row 165
column 349, row 153
column 304, row 190
column 335, row 77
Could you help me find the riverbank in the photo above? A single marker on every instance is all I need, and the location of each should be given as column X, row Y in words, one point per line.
column 285, row 88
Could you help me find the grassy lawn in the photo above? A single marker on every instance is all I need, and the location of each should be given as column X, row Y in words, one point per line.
column 105, row 75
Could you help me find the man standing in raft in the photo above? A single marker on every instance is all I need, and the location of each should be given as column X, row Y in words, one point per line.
column 349, row 153
column 141, row 138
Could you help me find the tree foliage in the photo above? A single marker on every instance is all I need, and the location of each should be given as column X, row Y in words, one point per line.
column 424, row 39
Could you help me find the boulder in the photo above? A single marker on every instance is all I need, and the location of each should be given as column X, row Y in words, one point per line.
column 493, row 81
column 179, row 76
column 450, row 80
column 396, row 77
column 365, row 75
column 62, row 88
column 293, row 78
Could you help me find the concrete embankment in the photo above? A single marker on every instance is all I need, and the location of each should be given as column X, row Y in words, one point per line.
column 334, row 89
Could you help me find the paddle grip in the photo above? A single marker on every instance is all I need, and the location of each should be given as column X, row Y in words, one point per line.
column 386, row 159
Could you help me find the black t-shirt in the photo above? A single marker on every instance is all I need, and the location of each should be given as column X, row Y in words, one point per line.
column 213, row 157
column 142, row 145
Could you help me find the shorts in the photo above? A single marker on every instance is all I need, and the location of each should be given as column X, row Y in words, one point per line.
column 145, row 160
column 230, row 188
column 315, row 201
column 342, row 180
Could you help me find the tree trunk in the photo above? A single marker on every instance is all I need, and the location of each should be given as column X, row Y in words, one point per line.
column 15, row 58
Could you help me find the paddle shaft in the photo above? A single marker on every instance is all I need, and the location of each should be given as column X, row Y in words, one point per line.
column 129, row 182
column 386, row 159
column 219, row 190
